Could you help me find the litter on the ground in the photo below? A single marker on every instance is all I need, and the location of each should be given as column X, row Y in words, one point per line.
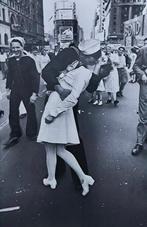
column 9, row 209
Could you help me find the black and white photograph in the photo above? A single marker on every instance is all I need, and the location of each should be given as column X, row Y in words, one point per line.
column 73, row 113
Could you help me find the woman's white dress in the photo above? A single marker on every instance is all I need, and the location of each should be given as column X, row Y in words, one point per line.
column 0, row 99
column 22, row 109
column 101, row 86
column 0, row 95
column 63, row 129
column 111, row 82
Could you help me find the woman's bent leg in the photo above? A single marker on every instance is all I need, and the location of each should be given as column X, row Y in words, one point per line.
column 114, row 96
column 115, row 99
column 72, row 162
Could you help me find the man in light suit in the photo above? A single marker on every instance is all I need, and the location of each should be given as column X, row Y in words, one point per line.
column 140, row 69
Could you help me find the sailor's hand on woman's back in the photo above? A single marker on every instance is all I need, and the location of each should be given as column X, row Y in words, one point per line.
column 62, row 92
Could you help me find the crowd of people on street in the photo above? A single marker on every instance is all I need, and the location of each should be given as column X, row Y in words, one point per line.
column 89, row 66
column 115, row 82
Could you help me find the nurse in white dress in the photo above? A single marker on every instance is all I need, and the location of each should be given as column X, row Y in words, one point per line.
column 112, row 81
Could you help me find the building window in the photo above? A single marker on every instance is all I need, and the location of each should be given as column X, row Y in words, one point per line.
column 8, row 2
column 22, row 24
column 114, row 23
column 18, row 7
column 3, row 12
column 6, row 39
column 114, row 10
column 18, row 20
column 12, row 19
column 13, row 4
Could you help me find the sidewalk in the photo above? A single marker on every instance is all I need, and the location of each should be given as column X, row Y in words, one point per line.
column 4, row 103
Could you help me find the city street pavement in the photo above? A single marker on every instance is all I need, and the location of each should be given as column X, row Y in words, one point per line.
column 117, row 199
column 4, row 102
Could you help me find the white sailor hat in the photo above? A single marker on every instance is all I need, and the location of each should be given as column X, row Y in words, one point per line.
column 89, row 47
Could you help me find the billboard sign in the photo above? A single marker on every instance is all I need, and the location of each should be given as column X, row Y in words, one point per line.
column 133, row 30
column 128, row 41
column 145, row 25
column 133, row 27
column 64, row 14
column 66, row 33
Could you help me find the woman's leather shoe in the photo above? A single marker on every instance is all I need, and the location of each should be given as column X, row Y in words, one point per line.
column 108, row 101
column 51, row 183
column 88, row 180
column 116, row 103
column 137, row 149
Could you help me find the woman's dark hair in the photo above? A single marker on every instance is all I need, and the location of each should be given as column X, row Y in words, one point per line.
column 34, row 48
column 72, row 44
column 96, row 55
column 16, row 40
column 121, row 48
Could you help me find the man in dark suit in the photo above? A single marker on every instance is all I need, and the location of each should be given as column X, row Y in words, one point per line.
column 22, row 84
column 140, row 69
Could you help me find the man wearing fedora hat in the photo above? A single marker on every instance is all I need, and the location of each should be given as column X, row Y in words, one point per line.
column 22, row 84
column 88, row 53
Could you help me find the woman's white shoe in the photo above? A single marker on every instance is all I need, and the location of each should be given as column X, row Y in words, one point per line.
column 88, row 180
column 51, row 183
column 96, row 102
column 100, row 103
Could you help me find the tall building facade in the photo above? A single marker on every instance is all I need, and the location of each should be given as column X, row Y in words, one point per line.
column 101, row 20
column 4, row 24
column 25, row 18
column 121, row 11
column 107, row 18
column 80, row 33
column 66, row 29
column 100, row 15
